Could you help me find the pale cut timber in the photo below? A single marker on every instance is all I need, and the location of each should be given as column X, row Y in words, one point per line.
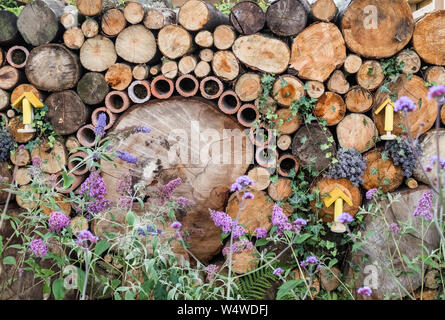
column 260, row 177
column 22, row 176
column 331, row 107
column 286, row 89
column 352, row 63
column 157, row 18
column 315, row 89
column 27, row 199
column 381, row 173
column 98, row 54
column 286, row 122
column 69, row 18
column 225, row 65
column 9, row 77
column 89, row 7
column 90, row 28
column 420, row 120
column 174, row 41
column 357, row 131
column 374, row 29
column 370, row 75
column 280, row 190
column 324, row 10
column 119, row 76
column 436, row 75
column 136, row 44
column 195, row 15
column 204, row 38
column 247, row 17
column 207, row 183
column 317, row 51
column 284, row 142
column 169, row 69
column 223, row 37
column 140, row 72
column 202, row 69
column 263, row 53
column 113, row 22
column 429, row 149
column 287, row 17
column 358, row 99
column 53, row 159
column 338, row 83
column 4, row 99
column 206, row 55
column 411, row 61
column 244, row 261
column 134, row 12
column 187, row 64
column 248, row 86
column 428, row 39
column 73, row 38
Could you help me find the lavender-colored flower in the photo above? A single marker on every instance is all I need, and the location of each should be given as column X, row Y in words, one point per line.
column 125, row 202
column 176, row 225
column 238, row 247
column 436, row 159
column 36, row 162
column 278, row 271
column 345, row 218
column 248, row 195
column 245, row 181
column 211, row 270
column 438, row 93
column 319, row 267
column 424, row 206
column 58, row 221
column 222, row 219
column 99, row 130
column 404, row 104
column 428, row 168
column 311, row 260
column 84, row 236
column 142, row 129
column 394, row 228
column 149, row 230
column 168, row 189
column 38, row 247
column 94, row 188
column 261, row 233
column 370, row 193
column 236, row 187
column 365, row 291
column 184, row 203
column 126, row 156
column 238, row 231
column 280, row 220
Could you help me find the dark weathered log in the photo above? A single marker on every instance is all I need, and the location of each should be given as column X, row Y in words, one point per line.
column 370, row 75
column 157, row 18
column 223, row 37
column 381, row 172
column 286, row 89
column 338, row 83
column 204, row 38
column 357, row 131
column 8, row 26
column 247, row 17
column 67, row 113
column 98, row 54
column 324, row 10
column 73, row 38
column 248, row 86
column 358, row 99
column 90, row 28
column 134, row 12
column 195, row 15
column 225, row 65
column 331, row 107
column 92, row 88
column 89, row 7
column 287, row 17
column 113, row 22
column 9, row 77
column 136, row 44
column 119, row 76
column 174, row 41
column 428, row 40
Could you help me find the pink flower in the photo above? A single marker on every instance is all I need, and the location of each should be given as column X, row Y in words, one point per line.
column 58, row 221
column 261, row 233
column 365, row 291
column 370, row 193
column 38, row 247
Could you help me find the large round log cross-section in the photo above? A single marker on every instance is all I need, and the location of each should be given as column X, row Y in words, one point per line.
column 189, row 139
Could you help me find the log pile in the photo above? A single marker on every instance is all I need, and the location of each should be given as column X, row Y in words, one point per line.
column 89, row 59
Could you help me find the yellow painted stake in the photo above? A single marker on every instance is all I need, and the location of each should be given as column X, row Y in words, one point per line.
column 26, row 102
column 27, row 112
column 389, row 118
column 337, row 197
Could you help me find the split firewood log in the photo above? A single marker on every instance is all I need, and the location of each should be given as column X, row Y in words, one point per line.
column 136, row 44
column 204, row 38
column 113, row 22
column 358, row 99
column 324, row 10
column 428, row 40
column 19, row 137
column 195, row 15
column 314, row 89
column 202, row 69
column 286, row 89
column 331, row 107
column 286, row 122
column 357, row 131
column 370, row 75
column 280, row 190
column 9, row 77
column 92, row 88
column 70, row 17
column 23, row 177
column 89, row 7
column 169, row 69
column 187, row 64
column 97, row 54
column 287, row 17
column 174, row 41
column 206, row 55
column 247, row 17
column 21, row 157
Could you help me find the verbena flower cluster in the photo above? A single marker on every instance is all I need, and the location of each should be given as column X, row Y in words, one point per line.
column 281, row 221
column 278, row 271
column 6, row 144
column 211, row 270
column 38, row 247
column 345, row 218
column 424, row 206
column 371, row 192
column 365, row 291
column 167, row 190
column 438, row 93
column 402, row 153
column 58, row 221
column 261, row 233
column 227, row 224
column 94, row 188
column 84, row 236
column 238, row 247
column 351, row 165
column 149, row 230
column 394, row 228
column 404, row 104
column 184, row 203
column 241, row 183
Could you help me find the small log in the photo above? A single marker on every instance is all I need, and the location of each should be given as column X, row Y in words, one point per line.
column 139, row 91
column 174, row 41
column 90, row 28
column 117, row 101
column 281, row 190
column 286, row 89
column 375, row 30
column 110, row 117
column 225, row 65
column 211, row 87
column 70, row 17
column 136, row 44
column 92, row 88
column 23, row 177
column 245, row 261
column 8, row 31
column 71, row 143
column 337, row 82
column 113, row 22
column 381, row 173
column 266, row 156
column 287, row 163
column 73, row 38
column 411, row 183
column 370, row 75
column 206, row 55
column 21, row 89
column 157, row 18
column 358, row 99
column 428, row 145
column 204, row 38
column 325, row 185
column 195, row 15
column 229, row 102
column 247, row 17
column 248, row 86
column 154, row 70
column 19, row 137
column 223, row 37
column 263, row 53
column 352, row 63
column 202, row 69
column 306, row 146
column 187, row 64
column 119, row 76
column 324, row 10
column 169, row 69
column 67, row 113
column 98, row 54
column 140, row 72
column 10, row 113
column 162, row 87
column 61, row 205
column 411, row 61
column 331, row 107
column 287, row 17
column 247, row 115
column 428, row 40
column 9, row 77
column 284, row 141
column 17, row 56
column 21, row 157
column 286, row 122
column 6, row 179
column 27, row 198
column 317, row 51
column 4, row 99
column 89, row 7
column 436, row 75
column 86, row 136
column 314, row 89
column 357, row 131
column 187, row 85
column 38, row 22
column 329, row 278
column 134, row 12
column 53, row 159
column 78, row 223
column 260, row 177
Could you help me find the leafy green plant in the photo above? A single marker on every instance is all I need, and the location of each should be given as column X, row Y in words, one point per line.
column 254, row 286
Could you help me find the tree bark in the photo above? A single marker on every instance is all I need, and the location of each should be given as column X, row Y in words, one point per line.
column 223, row 37
column 247, row 17
column 119, row 76
column 92, row 88
column 331, row 107
column 136, row 44
column 370, row 75
column 195, row 15
column 113, row 22
column 174, row 41
column 358, row 100
column 428, row 40
column 287, row 17
column 89, row 7
column 98, row 54
column 225, row 65
column 357, row 131
column 8, row 30
column 248, row 86
column 286, row 89
column 338, row 83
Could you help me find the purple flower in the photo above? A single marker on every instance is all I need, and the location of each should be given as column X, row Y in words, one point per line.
column 404, row 104
column 319, row 267
column 176, row 225
column 222, row 219
column 58, row 221
column 184, row 203
column 424, row 206
column 365, row 291
column 125, row 202
column 311, row 260
column 38, row 247
column 434, row 159
column 142, row 129
column 370, row 193
column 238, row 247
column 36, row 162
column 84, row 236
column 261, row 233
column 280, row 220
column 248, row 195
column 95, row 190
column 428, row 168
column 437, row 92
column 211, row 270
column 235, row 187
column 168, row 189
column 238, row 231
column 99, row 130
column 345, row 218
column 149, row 230
column 278, row 271
column 245, row 181
column 127, row 157
column 394, row 228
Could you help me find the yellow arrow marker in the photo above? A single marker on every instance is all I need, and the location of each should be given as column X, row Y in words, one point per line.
column 25, row 102
column 389, row 118
column 337, row 196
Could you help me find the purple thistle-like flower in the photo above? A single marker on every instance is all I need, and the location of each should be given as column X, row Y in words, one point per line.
column 404, row 104
column 238, row 231
column 248, row 195
column 245, row 181
column 261, row 233
column 236, row 187
column 126, row 156
column 184, row 203
column 370, row 193
column 223, row 220
column 438, row 93
column 168, row 189
column 345, row 218
column 211, row 270
column 280, row 220
column 278, row 271
column 424, row 206
column 36, row 162
column 125, row 202
column 38, row 247
column 394, row 228
column 84, row 236
column 99, row 130
column 365, row 291
column 428, row 168
column 319, row 267
column 311, row 260
column 94, row 188
column 58, row 221
column 141, row 129
column 176, row 225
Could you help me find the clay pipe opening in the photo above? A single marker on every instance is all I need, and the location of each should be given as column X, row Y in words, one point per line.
column 86, row 135
column 117, row 101
column 286, row 163
column 187, row 85
column 139, row 91
column 211, row 87
column 229, row 102
column 260, row 136
column 17, row 56
column 162, row 88
column 74, row 160
column 111, row 117
column 266, row 157
column 76, row 183
column 247, row 115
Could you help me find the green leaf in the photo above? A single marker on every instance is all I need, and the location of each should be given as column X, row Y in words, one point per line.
column 302, row 238
column 286, row 288
column 130, row 218
column 101, row 247
column 58, row 289
column 67, row 180
column 9, row 260
column 261, row 242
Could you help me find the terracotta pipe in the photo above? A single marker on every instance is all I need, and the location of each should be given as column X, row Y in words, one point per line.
column 9, row 56
column 117, row 101
column 86, row 135
column 286, row 163
column 73, row 162
column 257, row 136
column 228, row 102
column 267, row 160
column 211, row 87
column 162, row 87
column 139, row 91
column 5, row 117
column 76, row 183
column 187, row 85
column 111, row 117
column 247, row 115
